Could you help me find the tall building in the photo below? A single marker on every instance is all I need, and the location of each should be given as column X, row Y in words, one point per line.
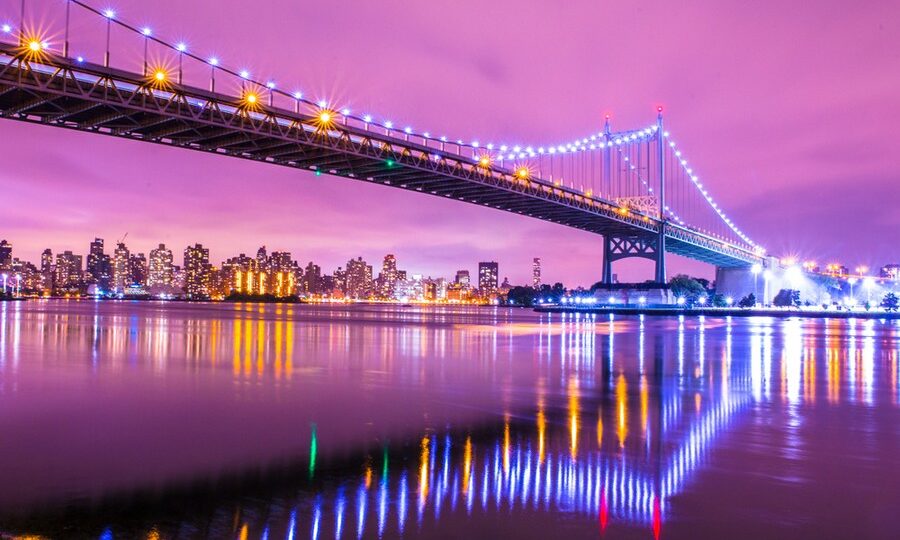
column 68, row 270
column 121, row 268
column 48, row 271
column 137, row 269
column 536, row 273
column 358, row 278
column 99, row 265
column 462, row 278
column 487, row 277
column 196, row 271
column 261, row 258
column 387, row 280
column 160, row 270
column 5, row 255
column 312, row 279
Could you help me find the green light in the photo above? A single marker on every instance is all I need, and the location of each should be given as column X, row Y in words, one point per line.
column 318, row 172
column 390, row 163
column 313, row 450
column 384, row 466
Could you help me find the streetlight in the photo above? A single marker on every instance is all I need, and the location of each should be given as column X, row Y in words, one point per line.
column 18, row 283
column 869, row 282
column 767, row 275
column 756, row 269
column 4, row 276
column 852, row 281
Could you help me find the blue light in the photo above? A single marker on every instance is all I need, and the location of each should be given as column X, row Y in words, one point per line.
column 109, row 14
column 7, row 28
column 244, row 74
column 181, row 47
column 214, row 61
column 146, row 31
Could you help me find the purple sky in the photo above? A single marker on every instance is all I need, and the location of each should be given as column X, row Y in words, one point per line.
column 787, row 111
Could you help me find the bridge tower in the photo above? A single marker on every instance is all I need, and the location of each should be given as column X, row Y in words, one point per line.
column 653, row 247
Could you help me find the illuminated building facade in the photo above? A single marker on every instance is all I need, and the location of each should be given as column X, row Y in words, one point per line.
column 5, row 255
column 99, row 266
column 121, row 275
column 536, row 273
column 387, row 280
column 358, row 277
column 196, row 271
column 161, row 271
column 890, row 271
column 68, row 272
column 488, row 278
column 137, row 270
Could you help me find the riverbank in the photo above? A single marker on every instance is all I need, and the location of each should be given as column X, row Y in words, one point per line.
column 723, row 312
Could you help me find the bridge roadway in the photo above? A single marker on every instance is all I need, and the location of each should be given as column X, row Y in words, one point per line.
column 62, row 92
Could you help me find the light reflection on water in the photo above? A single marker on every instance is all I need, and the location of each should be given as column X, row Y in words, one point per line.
column 321, row 422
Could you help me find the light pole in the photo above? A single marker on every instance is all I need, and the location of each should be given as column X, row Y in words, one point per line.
column 18, row 283
column 767, row 275
column 756, row 269
column 852, row 281
column 869, row 282
column 4, row 276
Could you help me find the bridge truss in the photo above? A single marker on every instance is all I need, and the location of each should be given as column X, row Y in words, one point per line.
column 632, row 187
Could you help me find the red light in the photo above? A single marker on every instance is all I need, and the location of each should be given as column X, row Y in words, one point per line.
column 659, row 109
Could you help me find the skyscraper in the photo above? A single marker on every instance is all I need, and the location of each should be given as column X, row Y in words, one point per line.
column 358, row 277
column 5, row 255
column 121, row 268
column 99, row 265
column 462, row 278
column 536, row 273
column 68, row 270
column 160, row 272
column 388, row 278
column 47, row 270
column 487, row 277
column 137, row 269
column 196, row 271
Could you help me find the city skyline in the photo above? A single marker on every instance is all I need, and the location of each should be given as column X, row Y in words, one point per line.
column 746, row 165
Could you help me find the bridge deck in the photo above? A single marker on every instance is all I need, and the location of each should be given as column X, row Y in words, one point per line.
column 60, row 92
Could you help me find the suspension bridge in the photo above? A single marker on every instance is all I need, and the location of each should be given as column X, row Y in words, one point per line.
column 633, row 187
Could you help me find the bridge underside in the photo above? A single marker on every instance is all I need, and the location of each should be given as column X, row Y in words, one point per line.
column 106, row 101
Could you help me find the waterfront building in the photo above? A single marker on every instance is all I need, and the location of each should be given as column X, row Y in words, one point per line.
column 890, row 271
column 488, row 278
column 358, row 278
column 387, row 280
column 99, row 266
column 312, row 279
column 5, row 255
column 462, row 279
column 68, row 272
column 161, row 271
column 196, row 271
column 137, row 270
column 121, row 268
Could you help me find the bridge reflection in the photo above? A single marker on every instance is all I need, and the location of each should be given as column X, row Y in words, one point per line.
column 607, row 419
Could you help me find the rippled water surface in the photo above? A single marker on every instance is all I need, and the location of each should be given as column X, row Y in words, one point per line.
column 151, row 420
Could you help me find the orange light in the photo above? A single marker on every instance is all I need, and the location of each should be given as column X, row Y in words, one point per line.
column 35, row 46
column 523, row 173
column 484, row 161
column 251, row 98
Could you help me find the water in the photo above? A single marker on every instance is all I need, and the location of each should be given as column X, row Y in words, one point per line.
column 151, row 420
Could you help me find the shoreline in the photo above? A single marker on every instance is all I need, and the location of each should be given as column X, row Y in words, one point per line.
column 724, row 312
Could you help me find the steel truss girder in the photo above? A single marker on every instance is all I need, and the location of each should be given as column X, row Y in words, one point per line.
column 359, row 151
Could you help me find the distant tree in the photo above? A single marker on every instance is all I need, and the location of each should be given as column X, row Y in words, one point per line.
column 521, row 296
column 748, row 301
column 703, row 282
column 890, row 302
column 787, row 298
column 558, row 289
column 686, row 287
column 718, row 300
